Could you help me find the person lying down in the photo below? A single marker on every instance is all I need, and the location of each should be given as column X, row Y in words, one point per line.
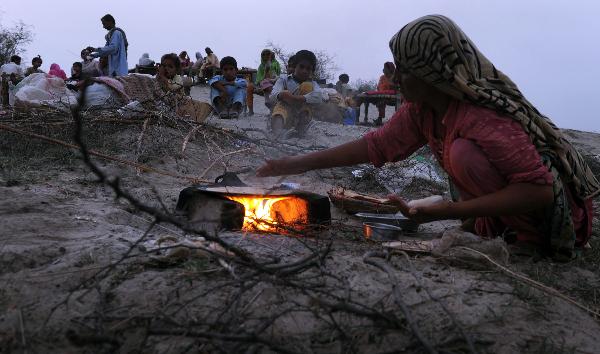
column 516, row 174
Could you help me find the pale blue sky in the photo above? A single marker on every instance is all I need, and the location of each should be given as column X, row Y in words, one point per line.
column 549, row 48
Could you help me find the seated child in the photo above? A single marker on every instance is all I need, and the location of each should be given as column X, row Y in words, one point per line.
column 167, row 75
column 76, row 72
column 271, row 101
column 35, row 66
column 294, row 95
column 103, row 66
column 343, row 86
column 173, row 84
column 267, row 74
column 76, row 76
column 228, row 92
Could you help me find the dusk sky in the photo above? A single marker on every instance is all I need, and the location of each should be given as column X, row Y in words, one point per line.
column 549, row 48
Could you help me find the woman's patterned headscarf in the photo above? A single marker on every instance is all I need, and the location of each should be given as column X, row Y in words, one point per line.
column 434, row 49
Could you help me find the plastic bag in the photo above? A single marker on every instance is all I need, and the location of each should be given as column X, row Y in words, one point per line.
column 349, row 116
column 100, row 95
column 41, row 89
column 131, row 109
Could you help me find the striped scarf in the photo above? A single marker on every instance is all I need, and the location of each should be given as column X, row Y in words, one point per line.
column 108, row 37
column 434, row 49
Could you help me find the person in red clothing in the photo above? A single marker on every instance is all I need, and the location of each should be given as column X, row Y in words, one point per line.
column 386, row 84
column 386, row 81
column 516, row 173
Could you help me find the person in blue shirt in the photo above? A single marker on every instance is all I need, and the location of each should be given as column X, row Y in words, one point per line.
column 228, row 92
column 115, row 48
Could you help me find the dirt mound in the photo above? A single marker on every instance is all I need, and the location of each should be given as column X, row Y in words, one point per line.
column 78, row 275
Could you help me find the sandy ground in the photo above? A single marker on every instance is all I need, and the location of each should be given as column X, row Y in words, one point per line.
column 58, row 228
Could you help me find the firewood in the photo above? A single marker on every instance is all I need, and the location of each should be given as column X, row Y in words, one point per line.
column 353, row 202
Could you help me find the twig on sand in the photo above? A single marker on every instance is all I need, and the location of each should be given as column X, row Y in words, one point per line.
column 221, row 158
column 138, row 150
column 457, row 324
column 136, row 165
column 141, row 137
column 97, row 276
column 22, row 325
column 548, row 290
column 370, row 258
column 188, row 137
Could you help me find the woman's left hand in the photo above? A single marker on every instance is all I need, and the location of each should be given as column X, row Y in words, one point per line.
column 421, row 215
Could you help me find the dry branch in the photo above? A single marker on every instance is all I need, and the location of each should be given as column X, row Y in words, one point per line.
column 136, row 165
column 546, row 289
column 221, row 158
column 370, row 258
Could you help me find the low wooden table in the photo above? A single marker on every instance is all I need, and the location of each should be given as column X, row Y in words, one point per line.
column 376, row 99
column 151, row 70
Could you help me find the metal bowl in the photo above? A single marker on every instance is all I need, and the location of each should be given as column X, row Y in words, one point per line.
column 381, row 232
column 390, row 219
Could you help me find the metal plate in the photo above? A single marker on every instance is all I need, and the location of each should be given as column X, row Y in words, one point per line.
column 390, row 219
column 381, row 232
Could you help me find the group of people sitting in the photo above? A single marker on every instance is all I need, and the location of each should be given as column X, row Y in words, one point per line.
column 87, row 68
column 14, row 73
column 290, row 97
column 204, row 67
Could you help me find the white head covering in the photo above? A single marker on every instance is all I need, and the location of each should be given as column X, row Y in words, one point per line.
column 145, row 60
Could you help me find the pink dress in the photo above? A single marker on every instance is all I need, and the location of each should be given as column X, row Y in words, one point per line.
column 482, row 152
column 56, row 71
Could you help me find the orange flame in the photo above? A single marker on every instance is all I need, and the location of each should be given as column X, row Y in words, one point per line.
column 269, row 213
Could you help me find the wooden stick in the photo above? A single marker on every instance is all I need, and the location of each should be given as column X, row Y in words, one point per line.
column 116, row 120
column 139, row 166
column 221, row 158
column 548, row 290
column 188, row 137
column 23, row 340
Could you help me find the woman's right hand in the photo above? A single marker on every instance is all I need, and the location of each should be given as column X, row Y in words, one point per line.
column 280, row 167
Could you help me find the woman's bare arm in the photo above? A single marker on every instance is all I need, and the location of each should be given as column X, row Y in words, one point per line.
column 352, row 153
column 514, row 199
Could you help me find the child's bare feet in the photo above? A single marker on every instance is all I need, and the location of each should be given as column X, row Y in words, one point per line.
column 277, row 125
column 303, row 124
column 219, row 104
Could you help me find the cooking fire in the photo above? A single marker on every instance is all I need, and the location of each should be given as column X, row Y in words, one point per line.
column 269, row 213
column 253, row 209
